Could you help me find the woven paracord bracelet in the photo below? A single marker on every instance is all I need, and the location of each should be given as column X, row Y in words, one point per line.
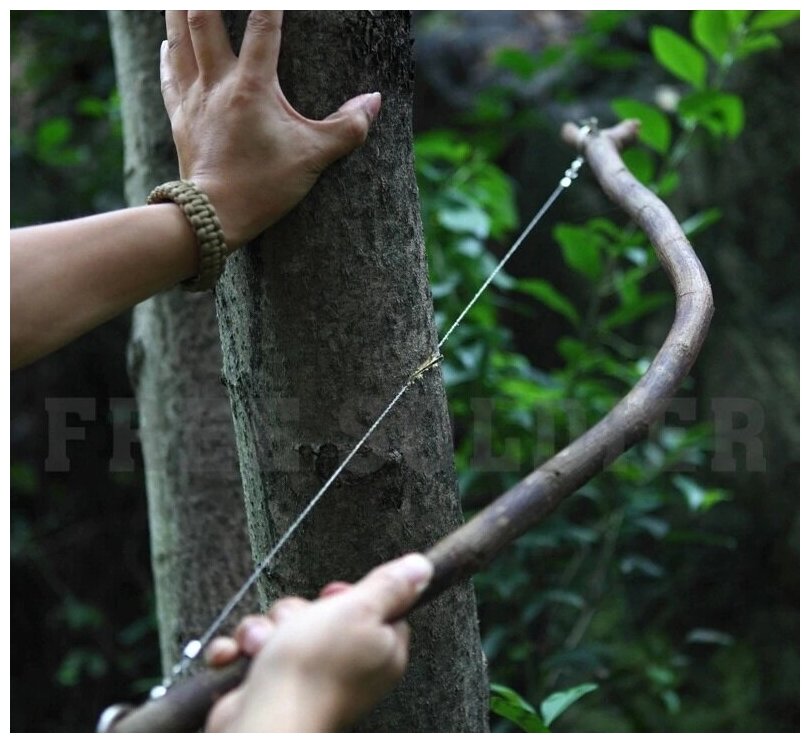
column 203, row 219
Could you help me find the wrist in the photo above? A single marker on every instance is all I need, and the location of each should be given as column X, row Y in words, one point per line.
column 228, row 209
column 290, row 703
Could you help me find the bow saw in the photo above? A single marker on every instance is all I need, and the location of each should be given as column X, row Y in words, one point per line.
column 471, row 547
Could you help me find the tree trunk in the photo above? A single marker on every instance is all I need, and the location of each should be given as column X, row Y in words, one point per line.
column 322, row 320
column 200, row 553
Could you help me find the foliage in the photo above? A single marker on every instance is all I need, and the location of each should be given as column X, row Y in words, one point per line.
column 66, row 128
column 613, row 553
column 83, row 629
column 509, row 704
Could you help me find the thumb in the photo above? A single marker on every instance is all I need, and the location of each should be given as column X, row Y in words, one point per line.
column 394, row 587
column 347, row 128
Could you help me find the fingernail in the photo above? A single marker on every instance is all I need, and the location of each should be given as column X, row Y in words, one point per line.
column 371, row 104
column 417, row 569
column 255, row 637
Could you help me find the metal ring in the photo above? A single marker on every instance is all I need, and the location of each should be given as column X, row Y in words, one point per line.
column 111, row 715
column 589, row 126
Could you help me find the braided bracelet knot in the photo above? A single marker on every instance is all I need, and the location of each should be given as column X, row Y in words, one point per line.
column 203, row 219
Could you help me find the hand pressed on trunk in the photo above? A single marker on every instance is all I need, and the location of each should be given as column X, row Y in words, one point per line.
column 237, row 136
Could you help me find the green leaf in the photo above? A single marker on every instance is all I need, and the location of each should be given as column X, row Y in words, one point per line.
column 523, row 64
column 491, row 190
column 78, row 664
column 710, row 28
column 768, row 19
column 492, row 106
column 565, row 597
column 93, row 107
column 79, row 615
column 667, row 183
column 737, row 17
column 656, row 527
column 636, row 255
column 680, row 57
column 697, row 497
column 24, row 478
column 640, row 163
column 548, row 295
column 441, row 145
column 442, row 289
column 759, row 43
column 720, row 113
column 581, row 249
column 509, row 704
column 465, row 220
column 655, row 128
column 553, row 706
column 709, row 636
column 572, row 350
column 528, row 394
column 671, row 701
column 661, row 675
column 469, row 246
column 52, row 135
column 605, row 21
column 700, row 221
column 613, row 59
column 608, row 228
column 631, row 311
column 641, row 564
column 526, row 65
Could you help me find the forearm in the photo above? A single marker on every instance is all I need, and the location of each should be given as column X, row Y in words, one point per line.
column 69, row 277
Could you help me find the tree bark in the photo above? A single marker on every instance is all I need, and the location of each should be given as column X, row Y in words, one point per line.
column 200, row 552
column 321, row 322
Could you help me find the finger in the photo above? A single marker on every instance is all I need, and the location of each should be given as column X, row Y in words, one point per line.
column 181, row 52
column 286, row 608
column 347, row 128
column 225, row 711
column 334, row 588
column 212, row 49
column 221, row 651
column 253, row 633
column 168, row 85
column 393, row 588
column 262, row 41
column 403, row 638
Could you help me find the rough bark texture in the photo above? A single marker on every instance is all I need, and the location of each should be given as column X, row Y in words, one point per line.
column 200, row 553
column 321, row 322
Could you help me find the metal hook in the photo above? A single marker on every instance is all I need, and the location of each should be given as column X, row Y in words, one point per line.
column 587, row 127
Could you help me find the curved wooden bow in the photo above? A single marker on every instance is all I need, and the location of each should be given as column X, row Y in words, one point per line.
column 470, row 548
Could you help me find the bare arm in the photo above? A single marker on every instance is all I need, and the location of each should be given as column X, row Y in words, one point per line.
column 237, row 138
column 69, row 277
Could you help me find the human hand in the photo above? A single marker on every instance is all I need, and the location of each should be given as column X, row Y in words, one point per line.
column 237, row 136
column 320, row 665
